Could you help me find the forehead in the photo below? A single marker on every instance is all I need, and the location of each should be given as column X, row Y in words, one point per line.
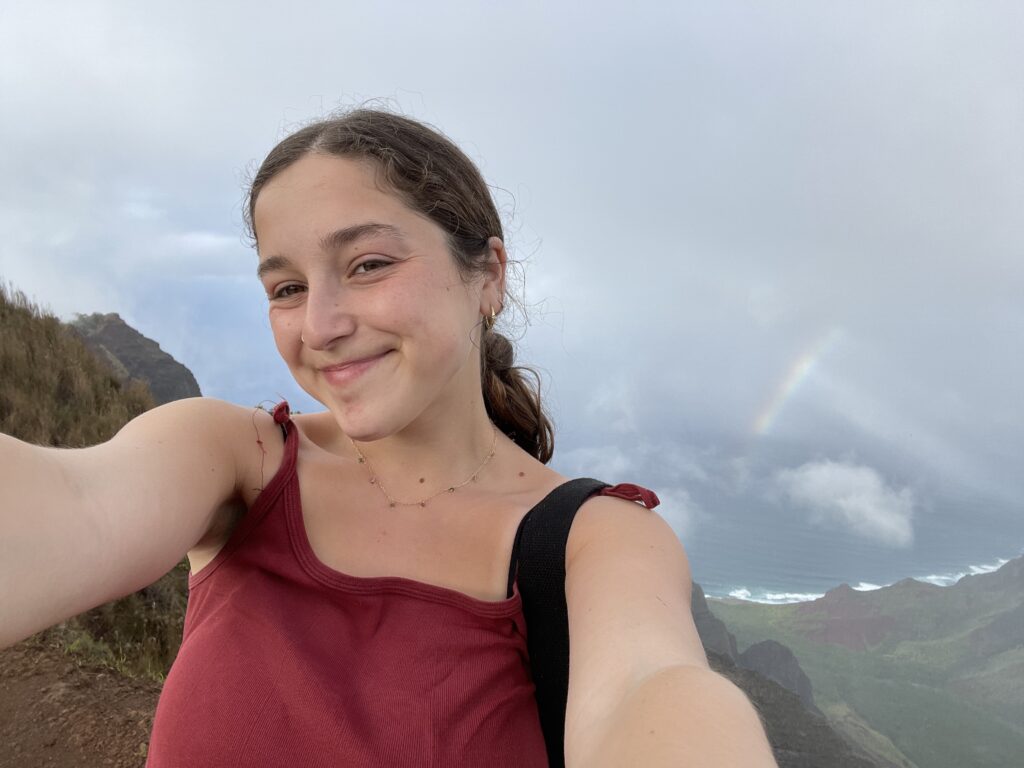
column 321, row 193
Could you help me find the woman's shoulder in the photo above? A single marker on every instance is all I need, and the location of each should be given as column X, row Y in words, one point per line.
column 214, row 413
column 210, row 417
column 247, row 431
column 245, row 435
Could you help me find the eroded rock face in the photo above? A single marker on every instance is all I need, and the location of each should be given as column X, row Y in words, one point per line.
column 799, row 738
column 776, row 662
column 131, row 355
column 712, row 630
column 769, row 658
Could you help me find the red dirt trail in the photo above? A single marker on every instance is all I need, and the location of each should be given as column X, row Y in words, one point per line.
column 56, row 713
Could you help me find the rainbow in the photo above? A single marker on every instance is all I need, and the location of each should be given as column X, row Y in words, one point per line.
column 797, row 374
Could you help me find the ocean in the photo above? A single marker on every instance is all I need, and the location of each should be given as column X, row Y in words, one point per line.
column 792, row 564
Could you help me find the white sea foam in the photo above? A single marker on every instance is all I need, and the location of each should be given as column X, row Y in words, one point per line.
column 784, row 598
column 865, row 586
column 947, row 579
column 772, row 598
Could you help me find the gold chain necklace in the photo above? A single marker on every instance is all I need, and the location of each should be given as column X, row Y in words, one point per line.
column 393, row 502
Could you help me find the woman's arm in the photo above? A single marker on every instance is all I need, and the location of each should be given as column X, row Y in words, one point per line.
column 80, row 527
column 683, row 716
column 640, row 689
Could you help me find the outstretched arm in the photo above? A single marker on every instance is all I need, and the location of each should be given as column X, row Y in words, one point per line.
column 80, row 527
column 640, row 689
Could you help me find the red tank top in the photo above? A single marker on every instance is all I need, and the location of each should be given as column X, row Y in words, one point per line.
column 287, row 662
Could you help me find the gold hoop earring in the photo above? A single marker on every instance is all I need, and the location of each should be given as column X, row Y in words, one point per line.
column 489, row 321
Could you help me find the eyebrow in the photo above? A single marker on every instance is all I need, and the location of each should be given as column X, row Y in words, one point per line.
column 333, row 241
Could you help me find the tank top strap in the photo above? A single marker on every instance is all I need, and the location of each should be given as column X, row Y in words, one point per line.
column 538, row 566
column 283, row 481
column 283, row 419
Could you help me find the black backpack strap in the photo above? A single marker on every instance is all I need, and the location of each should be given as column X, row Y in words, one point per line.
column 538, row 564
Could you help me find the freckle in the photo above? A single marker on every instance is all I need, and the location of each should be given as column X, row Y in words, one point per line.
column 423, row 479
column 522, row 474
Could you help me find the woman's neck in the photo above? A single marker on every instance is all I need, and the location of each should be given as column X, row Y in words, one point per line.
column 439, row 450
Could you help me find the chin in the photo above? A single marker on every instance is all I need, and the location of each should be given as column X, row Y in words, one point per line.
column 362, row 433
column 359, row 425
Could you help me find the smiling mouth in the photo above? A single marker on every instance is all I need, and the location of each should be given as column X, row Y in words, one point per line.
column 343, row 373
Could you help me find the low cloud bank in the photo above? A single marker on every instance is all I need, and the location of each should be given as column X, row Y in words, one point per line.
column 853, row 496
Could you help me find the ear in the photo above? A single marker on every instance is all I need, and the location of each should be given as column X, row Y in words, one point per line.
column 492, row 291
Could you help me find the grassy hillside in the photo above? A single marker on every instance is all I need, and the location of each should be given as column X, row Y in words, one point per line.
column 53, row 391
column 903, row 666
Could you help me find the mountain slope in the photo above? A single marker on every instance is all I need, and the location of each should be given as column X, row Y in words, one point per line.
column 781, row 692
column 799, row 738
column 939, row 671
column 53, row 391
column 131, row 355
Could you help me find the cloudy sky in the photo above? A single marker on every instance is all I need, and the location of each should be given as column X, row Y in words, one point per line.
column 772, row 254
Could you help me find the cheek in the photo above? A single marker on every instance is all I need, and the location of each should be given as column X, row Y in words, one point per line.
column 285, row 329
column 451, row 350
column 440, row 325
column 452, row 347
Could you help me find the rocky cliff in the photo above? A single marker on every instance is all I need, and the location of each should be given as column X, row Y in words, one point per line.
column 713, row 633
column 773, row 680
column 799, row 738
column 776, row 662
column 130, row 355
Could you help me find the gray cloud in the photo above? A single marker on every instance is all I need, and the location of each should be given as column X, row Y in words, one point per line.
column 856, row 497
column 756, row 238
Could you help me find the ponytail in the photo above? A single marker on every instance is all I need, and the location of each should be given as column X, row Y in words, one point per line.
column 513, row 403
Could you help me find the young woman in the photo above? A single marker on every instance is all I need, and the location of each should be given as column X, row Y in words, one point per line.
column 351, row 597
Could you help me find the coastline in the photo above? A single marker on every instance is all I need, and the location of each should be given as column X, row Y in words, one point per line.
column 767, row 596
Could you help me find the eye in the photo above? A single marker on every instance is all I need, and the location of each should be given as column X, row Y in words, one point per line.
column 370, row 265
column 285, row 291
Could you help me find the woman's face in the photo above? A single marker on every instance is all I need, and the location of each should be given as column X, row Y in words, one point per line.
column 390, row 328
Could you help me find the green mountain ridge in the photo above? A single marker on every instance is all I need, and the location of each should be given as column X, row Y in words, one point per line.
column 936, row 671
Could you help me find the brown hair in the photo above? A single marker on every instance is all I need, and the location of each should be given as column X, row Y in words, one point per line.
column 434, row 177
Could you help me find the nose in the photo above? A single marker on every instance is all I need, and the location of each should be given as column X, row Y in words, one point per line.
column 328, row 318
